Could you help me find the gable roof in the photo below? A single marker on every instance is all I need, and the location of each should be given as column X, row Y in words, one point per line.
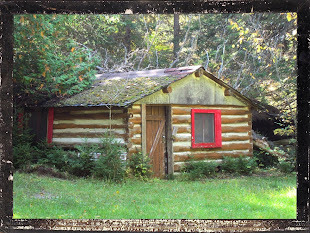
column 123, row 89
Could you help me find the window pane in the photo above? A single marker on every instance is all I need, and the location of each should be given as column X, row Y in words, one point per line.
column 204, row 127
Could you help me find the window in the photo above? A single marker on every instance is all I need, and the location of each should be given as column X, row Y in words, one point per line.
column 206, row 128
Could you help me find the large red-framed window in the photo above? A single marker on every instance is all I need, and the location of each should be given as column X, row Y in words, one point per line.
column 206, row 128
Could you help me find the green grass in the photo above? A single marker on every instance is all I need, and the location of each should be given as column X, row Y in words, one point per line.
column 269, row 197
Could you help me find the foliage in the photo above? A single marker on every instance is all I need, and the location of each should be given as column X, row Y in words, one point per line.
column 23, row 150
column 56, row 55
column 22, row 155
column 139, row 166
column 286, row 166
column 198, row 170
column 47, row 62
column 82, row 160
column 265, row 159
column 110, row 165
column 240, row 165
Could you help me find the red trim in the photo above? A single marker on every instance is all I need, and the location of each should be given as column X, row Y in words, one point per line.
column 217, row 129
column 50, row 122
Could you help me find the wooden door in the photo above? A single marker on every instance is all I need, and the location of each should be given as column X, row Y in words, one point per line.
column 155, row 138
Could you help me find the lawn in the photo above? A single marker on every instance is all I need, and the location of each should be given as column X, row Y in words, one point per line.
column 252, row 197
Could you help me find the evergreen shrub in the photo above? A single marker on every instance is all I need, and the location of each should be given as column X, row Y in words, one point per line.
column 110, row 165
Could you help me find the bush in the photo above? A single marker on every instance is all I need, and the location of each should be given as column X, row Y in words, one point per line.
column 198, row 170
column 264, row 159
column 139, row 166
column 23, row 150
column 81, row 162
column 287, row 166
column 240, row 165
column 23, row 155
column 109, row 165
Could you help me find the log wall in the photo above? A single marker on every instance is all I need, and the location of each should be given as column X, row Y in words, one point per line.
column 134, row 129
column 236, row 134
column 74, row 125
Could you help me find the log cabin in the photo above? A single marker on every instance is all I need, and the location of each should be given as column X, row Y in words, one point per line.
column 172, row 115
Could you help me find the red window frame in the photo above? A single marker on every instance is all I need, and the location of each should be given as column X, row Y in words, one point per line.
column 217, row 129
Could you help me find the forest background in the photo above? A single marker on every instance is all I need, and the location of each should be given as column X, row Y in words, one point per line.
column 59, row 55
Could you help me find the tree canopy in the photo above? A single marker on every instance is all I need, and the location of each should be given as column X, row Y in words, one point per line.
column 58, row 55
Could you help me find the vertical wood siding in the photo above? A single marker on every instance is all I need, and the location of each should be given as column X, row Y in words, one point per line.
column 76, row 125
column 236, row 134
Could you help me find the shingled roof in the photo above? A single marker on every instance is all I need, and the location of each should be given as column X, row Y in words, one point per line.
column 123, row 89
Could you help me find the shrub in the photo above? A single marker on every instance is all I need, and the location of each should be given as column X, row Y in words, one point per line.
column 23, row 155
column 23, row 150
column 139, row 166
column 285, row 167
column 198, row 170
column 81, row 162
column 264, row 159
column 109, row 165
column 240, row 165
column 288, row 164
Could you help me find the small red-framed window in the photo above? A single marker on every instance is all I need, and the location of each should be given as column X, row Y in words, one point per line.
column 206, row 128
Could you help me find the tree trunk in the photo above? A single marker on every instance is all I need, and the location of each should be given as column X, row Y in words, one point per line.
column 176, row 35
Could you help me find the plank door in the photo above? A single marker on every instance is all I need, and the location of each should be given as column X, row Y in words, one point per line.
column 156, row 138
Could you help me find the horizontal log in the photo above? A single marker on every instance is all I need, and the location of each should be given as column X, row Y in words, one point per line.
column 224, row 139
column 88, row 126
column 87, row 130
column 134, row 110
column 217, row 106
column 238, row 129
column 235, row 138
column 233, row 146
column 87, row 135
column 135, row 130
column 136, row 140
column 93, row 116
column 204, row 156
column 68, row 141
column 91, row 109
column 90, row 122
column 234, row 120
column 187, row 111
column 182, row 139
column 184, row 129
column 135, row 120
column 225, row 129
column 183, row 119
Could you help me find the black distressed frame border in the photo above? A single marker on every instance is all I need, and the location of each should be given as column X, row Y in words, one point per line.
column 10, row 7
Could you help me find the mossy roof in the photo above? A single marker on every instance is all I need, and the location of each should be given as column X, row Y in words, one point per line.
column 123, row 89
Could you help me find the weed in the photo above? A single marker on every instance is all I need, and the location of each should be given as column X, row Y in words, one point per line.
column 139, row 166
